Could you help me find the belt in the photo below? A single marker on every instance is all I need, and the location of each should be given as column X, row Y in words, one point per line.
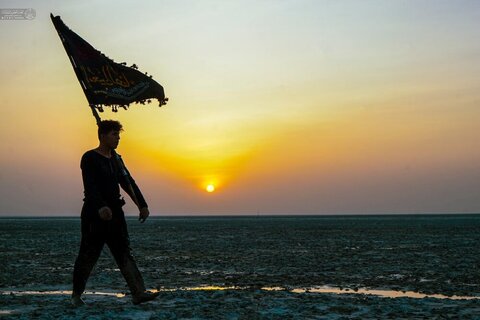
column 110, row 202
column 118, row 202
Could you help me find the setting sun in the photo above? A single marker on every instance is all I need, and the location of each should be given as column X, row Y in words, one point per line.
column 210, row 188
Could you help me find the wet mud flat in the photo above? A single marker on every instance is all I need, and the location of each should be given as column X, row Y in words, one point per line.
column 428, row 254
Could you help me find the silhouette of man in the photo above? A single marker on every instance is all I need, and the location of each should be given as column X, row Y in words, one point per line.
column 103, row 220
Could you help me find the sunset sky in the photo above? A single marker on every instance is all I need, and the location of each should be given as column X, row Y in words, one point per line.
column 286, row 107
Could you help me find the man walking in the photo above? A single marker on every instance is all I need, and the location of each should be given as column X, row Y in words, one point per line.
column 103, row 220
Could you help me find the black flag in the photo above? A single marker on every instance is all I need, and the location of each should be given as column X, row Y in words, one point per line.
column 105, row 82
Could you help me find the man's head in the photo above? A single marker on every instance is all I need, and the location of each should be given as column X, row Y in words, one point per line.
column 109, row 133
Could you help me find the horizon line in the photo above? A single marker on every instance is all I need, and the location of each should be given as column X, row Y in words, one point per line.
column 260, row 215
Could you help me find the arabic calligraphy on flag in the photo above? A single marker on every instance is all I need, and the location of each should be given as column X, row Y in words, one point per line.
column 105, row 82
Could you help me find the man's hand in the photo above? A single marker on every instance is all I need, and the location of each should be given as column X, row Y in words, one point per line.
column 144, row 213
column 105, row 213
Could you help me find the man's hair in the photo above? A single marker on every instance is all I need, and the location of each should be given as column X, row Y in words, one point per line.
column 105, row 126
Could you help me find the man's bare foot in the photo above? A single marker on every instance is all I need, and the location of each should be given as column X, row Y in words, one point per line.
column 77, row 301
column 144, row 297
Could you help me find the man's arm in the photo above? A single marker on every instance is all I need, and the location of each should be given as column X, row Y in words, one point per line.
column 138, row 194
column 140, row 200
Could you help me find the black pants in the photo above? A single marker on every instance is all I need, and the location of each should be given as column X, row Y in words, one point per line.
column 97, row 232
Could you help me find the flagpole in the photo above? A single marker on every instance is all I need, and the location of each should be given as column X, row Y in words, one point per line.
column 95, row 114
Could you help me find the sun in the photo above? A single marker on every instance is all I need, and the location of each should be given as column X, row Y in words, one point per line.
column 210, row 188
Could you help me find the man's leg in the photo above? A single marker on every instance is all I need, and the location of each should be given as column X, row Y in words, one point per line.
column 119, row 243
column 90, row 249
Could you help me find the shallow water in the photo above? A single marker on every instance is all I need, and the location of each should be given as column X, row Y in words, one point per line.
column 311, row 260
column 325, row 289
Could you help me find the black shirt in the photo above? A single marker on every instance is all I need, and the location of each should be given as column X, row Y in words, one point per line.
column 101, row 176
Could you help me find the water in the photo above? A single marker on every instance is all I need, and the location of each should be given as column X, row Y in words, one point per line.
column 433, row 255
